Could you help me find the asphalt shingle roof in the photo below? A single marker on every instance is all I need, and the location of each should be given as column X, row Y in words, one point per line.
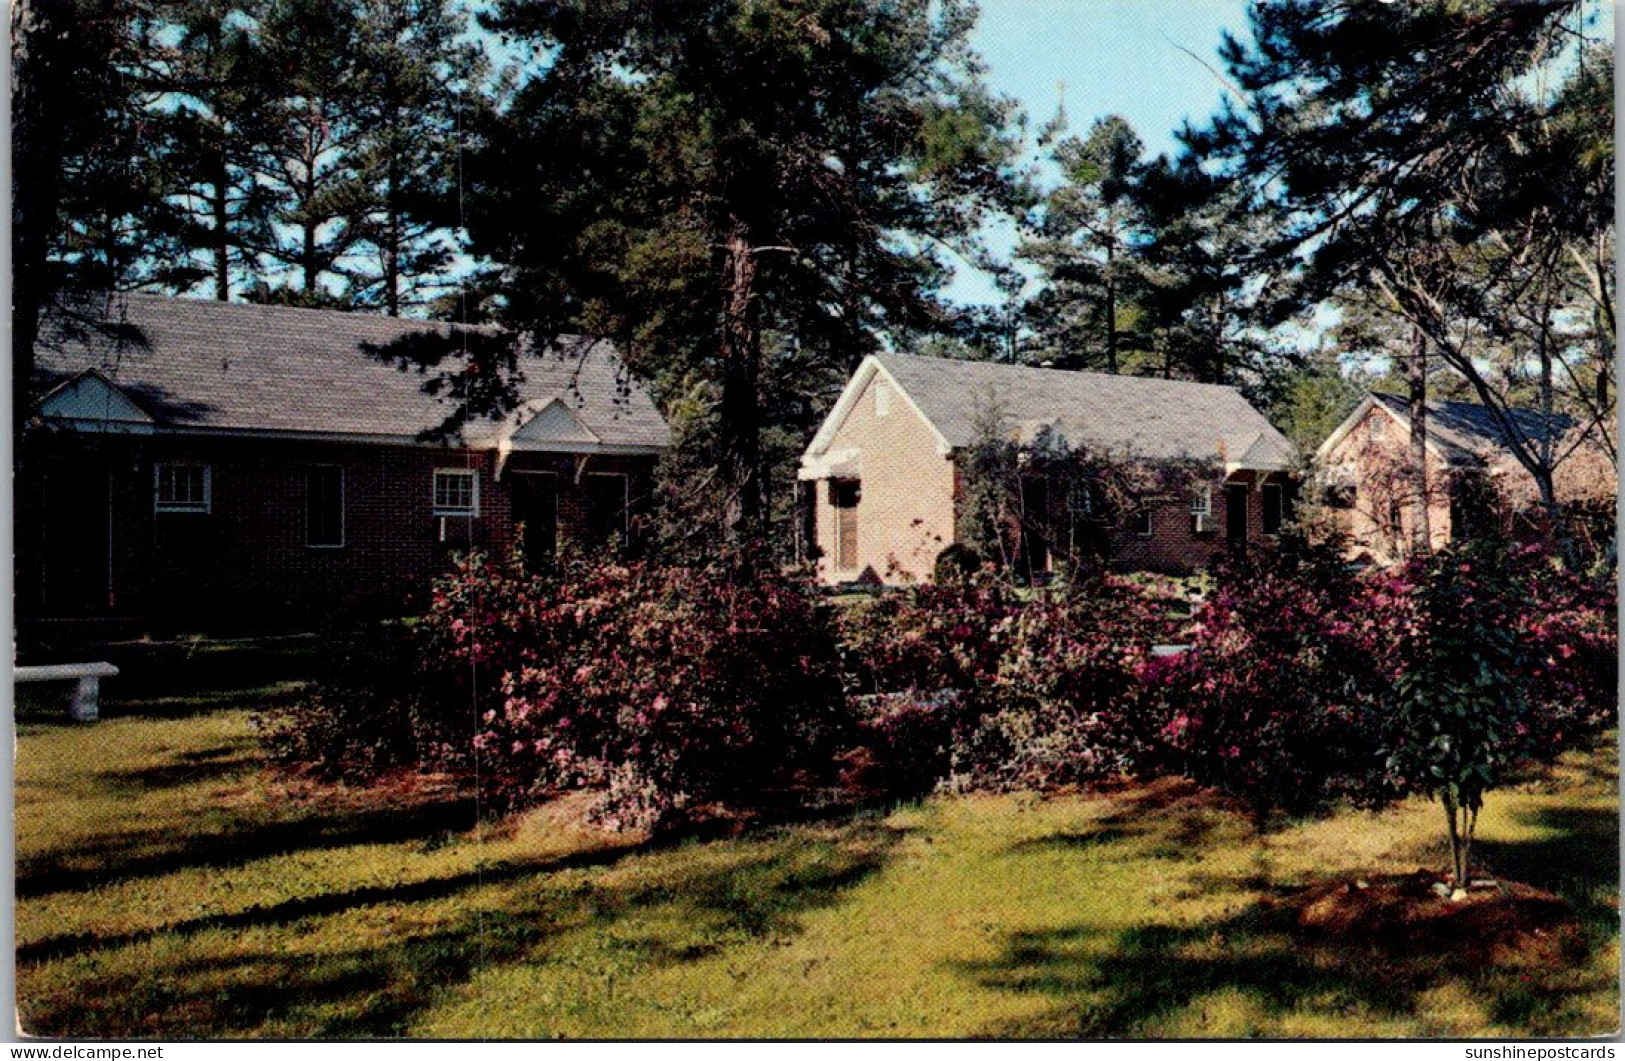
column 1470, row 433
column 1132, row 415
column 239, row 367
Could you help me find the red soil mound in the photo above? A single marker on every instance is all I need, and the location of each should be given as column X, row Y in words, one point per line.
column 1409, row 913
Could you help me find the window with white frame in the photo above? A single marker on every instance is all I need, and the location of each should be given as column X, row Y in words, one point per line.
column 456, row 492
column 180, row 487
column 1142, row 521
column 1202, row 507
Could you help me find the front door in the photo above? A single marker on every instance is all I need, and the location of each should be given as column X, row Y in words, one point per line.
column 78, row 543
column 1235, row 513
column 536, row 513
column 1034, row 523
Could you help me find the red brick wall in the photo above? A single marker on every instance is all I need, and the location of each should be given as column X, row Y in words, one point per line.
column 250, row 549
column 1174, row 546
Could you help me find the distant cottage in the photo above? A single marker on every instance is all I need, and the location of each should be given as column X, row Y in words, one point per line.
column 887, row 479
column 197, row 454
column 1476, row 485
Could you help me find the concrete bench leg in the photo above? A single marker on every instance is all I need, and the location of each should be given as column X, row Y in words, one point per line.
column 85, row 706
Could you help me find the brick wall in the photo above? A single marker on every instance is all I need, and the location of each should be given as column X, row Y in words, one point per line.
column 1174, row 545
column 905, row 513
column 251, row 549
column 1376, row 455
column 908, row 493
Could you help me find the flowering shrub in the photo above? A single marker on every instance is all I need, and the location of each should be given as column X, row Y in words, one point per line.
column 1065, row 704
column 666, row 687
column 1566, row 625
column 904, row 741
column 931, row 637
column 1043, row 690
column 669, row 688
column 1276, row 701
column 372, row 710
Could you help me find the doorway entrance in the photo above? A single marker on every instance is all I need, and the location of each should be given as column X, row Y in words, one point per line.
column 1235, row 513
column 536, row 514
column 77, row 575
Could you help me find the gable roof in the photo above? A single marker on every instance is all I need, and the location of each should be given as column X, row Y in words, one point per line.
column 207, row 367
column 1461, row 433
column 1137, row 416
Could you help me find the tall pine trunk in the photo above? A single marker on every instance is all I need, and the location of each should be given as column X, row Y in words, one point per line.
column 741, row 368
column 222, row 226
column 39, row 105
column 1545, row 447
column 392, row 233
column 1416, row 377
column 1111, row 310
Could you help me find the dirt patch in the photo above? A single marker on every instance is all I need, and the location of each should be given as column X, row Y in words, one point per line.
column 1493, row 920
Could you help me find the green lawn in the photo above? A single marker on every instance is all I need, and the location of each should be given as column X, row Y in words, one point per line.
column 168, row 888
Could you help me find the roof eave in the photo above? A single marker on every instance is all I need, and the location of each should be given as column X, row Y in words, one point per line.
column 358, row 438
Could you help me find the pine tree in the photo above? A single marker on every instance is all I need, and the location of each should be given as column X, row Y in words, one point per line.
column 717, row 181
column 204, row 55
column 306, row 144
column 423, row 90
column 1085, row 238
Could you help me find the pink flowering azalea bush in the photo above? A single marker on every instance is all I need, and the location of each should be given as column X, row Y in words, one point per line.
column 970, row 683
column 917, row 662
column 673, row 689
column 947, row 635
column 665, row 688
column 1066, row 705
column 1307, row 684
column 1276, row 700
column 373, row 709
column 1567, row 628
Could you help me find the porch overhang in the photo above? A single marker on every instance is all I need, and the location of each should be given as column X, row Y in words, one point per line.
column 832, row 464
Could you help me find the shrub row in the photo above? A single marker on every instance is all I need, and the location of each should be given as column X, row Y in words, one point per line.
column 668, row 689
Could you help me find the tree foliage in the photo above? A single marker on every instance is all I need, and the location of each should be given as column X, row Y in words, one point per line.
column 746, row 194
column 1449, row 160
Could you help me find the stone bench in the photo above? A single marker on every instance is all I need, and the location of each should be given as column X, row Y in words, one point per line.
column 84, row 707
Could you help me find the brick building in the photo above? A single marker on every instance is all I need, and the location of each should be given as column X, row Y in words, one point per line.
column 1475, row 483
column 887, row 479
column 194, row 456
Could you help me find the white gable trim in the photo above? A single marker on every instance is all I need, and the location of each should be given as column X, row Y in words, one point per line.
column 91, row 402
column 1341, row 431
column 1336, row 437
column 867, row 371
column 553, row 421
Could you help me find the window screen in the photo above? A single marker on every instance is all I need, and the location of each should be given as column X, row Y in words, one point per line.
column 456, row 492
column 181, row 487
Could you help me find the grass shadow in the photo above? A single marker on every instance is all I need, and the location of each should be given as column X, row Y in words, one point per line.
column 227, row 839
column 1254, row 972
column 653, row 905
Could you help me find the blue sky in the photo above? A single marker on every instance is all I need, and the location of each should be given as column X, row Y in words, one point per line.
column 1113, row 57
